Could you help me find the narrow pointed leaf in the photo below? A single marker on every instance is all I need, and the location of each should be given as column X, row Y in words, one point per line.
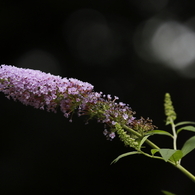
column 187, row 128
column 167, row 193
column 123, row 155
column 188, row 146
column 153, row 151
column 142, row 141
column 185, row 123
column 167, row 153
column 160, row 132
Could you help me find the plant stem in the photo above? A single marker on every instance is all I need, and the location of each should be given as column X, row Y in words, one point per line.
column 174, row 135
column 139, row 135
column 185, row 172
column 152, row 145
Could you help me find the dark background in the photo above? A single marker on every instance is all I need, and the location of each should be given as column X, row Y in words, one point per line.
column 108, row 44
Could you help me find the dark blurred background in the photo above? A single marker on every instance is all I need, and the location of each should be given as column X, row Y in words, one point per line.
column 135, row 49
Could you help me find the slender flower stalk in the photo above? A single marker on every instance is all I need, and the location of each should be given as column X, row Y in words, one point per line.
column 171, row 116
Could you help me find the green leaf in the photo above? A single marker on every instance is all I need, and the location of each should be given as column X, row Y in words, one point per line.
column 153, row 151
column 177, row 156
column 125, row 154
column 185, row 123
column 142, row 141
column 188, row 128
column 167, row 153
column 160, row 132
column 173, row 155
column 167, row 193
column 188, row 146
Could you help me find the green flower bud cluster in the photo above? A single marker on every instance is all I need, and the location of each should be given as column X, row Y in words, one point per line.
column 169, row 109
column 126, row 138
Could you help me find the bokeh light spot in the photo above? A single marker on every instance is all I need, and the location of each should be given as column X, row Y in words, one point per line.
column 167, row 44
column 174, row 44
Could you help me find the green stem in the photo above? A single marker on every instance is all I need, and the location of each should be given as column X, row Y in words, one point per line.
column 139, row 135
column 185, row 172
column 178, row 166
column 174, row 135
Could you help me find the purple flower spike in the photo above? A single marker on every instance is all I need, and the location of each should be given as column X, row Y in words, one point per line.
column 41, row 90
column 45, row 91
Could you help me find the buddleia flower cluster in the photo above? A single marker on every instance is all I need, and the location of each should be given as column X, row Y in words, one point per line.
column 52, row 93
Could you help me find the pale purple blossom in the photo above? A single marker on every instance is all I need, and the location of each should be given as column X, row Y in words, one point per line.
column 41, row 90
column 116, row 98
column 130, row 120
column 45, row 91
column 109, row 135
column 113, row 123
column 109, row 97
column 121, row 104
column 112, row 135
column 125, row 116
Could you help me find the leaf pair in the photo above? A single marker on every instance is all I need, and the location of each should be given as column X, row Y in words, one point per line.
column 176, row 155
column 168, row 154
